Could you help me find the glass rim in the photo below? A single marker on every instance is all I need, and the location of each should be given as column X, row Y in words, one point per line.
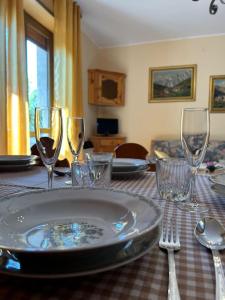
column 47, row 108
column 195, row 108
column 101, row 153
column 172, row 160
column 99, row 162
column 74, row 117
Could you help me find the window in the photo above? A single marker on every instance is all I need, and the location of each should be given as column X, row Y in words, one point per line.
column 39, row 53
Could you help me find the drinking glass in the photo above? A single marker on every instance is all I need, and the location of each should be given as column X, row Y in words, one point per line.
column 173, row 177
column 194, row 138
column 48, row 134
column 75, row 137
column 100, row 168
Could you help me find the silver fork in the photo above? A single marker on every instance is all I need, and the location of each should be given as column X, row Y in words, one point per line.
column 170, row 241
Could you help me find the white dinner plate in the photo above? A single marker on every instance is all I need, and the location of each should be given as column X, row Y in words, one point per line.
column 127, row 167
column 73, row 219
column 128, row 164
column 91, row 227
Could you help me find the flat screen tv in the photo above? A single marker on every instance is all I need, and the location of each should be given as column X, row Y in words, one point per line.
column 107, row 126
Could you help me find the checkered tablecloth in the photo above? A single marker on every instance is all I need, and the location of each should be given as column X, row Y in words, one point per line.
column 145, row 278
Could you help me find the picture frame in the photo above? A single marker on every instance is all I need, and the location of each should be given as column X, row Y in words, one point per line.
column 217, row 94
column 172, row 84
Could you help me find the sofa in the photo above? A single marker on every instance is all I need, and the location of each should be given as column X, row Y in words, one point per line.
column 215, row 151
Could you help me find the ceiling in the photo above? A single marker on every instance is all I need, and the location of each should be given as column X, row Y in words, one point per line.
column 112, row 23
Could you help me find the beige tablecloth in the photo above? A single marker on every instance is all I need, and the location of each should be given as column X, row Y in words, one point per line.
column 145, row 278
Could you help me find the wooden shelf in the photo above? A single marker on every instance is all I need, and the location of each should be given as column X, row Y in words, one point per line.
column 107, row 143
column 106, row 88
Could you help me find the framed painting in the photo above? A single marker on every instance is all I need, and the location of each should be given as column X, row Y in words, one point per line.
column 217, row 94
column 169, row 84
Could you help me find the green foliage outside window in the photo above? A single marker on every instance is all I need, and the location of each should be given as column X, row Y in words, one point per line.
column 32, row 104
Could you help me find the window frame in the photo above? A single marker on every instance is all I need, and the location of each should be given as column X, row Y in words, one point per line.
column 42, row 37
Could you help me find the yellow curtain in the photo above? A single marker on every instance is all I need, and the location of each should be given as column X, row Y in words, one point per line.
column 14, row 133
column 67, row 62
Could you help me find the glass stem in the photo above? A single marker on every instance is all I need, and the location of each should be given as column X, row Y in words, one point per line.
column 74, row 170
column 75, row 159
column 50, row 176
column 193, row 186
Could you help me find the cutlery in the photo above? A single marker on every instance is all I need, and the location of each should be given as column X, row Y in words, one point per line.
column 211, row 234
column 62, row 173
column 170, row 241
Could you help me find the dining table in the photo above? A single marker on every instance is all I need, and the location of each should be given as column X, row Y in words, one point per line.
column 143, row 278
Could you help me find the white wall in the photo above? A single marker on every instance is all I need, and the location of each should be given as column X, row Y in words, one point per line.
column 89, row 61
column 141, row 121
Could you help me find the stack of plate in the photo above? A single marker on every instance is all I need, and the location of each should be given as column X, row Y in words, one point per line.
column 72, row 232
column 17, row 162
column 128, row 166
column 204, row 169
column 219, row 183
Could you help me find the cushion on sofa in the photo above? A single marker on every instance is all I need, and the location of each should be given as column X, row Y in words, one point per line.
column 215, row 151
column 173, row 148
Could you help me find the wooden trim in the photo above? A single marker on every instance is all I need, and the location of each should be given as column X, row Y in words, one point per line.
column 107, row 72
column 34, row 27
column 37, row 38
column 42, row 3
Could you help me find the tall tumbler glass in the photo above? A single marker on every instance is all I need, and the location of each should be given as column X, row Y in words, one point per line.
column 48, row 134
column 194, row 138
column 100, row 168
column 173, row 177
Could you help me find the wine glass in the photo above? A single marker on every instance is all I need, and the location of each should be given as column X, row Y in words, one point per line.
column 194, row 138
column 48, row 134
column 75, row 137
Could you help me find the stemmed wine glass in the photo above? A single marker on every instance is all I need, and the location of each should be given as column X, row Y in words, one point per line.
column 75, row 137
column 194, row 138
column 48, row 134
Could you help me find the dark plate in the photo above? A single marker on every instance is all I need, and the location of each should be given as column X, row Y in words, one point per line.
column 17, row 167
column 71, row 264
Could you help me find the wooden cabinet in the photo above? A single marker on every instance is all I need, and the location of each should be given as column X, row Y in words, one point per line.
column 106, row 143
column 106, row 88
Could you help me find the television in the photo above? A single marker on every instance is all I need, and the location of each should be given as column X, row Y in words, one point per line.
column 107, row 126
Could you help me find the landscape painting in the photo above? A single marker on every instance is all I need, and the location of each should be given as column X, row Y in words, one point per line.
column 217, row 94
column 170, row 84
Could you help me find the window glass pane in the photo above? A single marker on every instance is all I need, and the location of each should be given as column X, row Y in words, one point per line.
column 39, row 46
column 37, row 72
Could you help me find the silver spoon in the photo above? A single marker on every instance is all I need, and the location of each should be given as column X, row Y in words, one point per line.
column 211, row 234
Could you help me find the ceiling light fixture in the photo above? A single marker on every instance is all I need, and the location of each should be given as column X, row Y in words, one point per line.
column 213, row 7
